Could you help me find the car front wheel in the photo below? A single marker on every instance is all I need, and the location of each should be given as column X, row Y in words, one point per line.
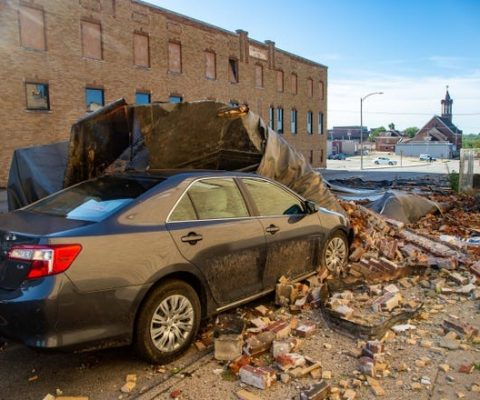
column 335, row 253
column 376, row 162
column 168, row 322
column 391, row 163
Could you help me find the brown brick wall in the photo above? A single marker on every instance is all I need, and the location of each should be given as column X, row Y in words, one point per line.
column 67, row 72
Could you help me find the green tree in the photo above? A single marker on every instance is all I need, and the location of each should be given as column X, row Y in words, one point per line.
column 411, row 132
column 471, row 141
column 391, row 126
column 376, row 132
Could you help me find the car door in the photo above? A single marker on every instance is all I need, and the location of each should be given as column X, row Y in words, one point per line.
column 293, row 235
column 212, row 229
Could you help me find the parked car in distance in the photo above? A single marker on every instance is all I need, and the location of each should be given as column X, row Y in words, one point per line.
column 142, row 257
column 427, row 157
column 337, row 156
column 384, row 160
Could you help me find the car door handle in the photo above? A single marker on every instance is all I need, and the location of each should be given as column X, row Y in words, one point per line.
column 273, row 229
column 192, row 238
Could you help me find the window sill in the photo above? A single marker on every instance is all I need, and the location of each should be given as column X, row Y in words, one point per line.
column 34, row 111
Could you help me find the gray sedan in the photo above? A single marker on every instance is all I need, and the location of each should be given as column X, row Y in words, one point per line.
column 142, row 257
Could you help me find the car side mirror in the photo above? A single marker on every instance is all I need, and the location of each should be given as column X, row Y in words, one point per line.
column 311, row 207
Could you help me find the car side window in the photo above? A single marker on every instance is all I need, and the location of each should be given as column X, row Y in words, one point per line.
column 184, row 210
column 217, row 198
column 272, row 200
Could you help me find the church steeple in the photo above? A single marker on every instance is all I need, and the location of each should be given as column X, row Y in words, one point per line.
column 447, row 106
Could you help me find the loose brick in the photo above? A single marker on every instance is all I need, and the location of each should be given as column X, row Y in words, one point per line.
column 259, row 377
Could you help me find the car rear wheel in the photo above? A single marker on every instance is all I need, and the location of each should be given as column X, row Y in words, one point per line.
column 335, row 253
column 390, row 163
column 168, row 322
column 376, row 162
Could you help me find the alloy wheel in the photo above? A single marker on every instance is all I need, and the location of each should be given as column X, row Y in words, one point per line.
column 336, row 254
column 172, row 323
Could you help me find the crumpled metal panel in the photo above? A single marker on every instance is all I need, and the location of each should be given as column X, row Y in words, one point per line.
column 199, row 135
column 96, row 141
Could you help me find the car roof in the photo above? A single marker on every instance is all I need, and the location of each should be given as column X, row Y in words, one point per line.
column 168, row 173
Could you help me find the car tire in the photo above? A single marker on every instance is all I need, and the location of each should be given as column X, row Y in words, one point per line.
column 376, row 162
column 335, row 253
column 167, row 322
column 390, row 163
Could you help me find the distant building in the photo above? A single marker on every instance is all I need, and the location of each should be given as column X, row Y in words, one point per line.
column 346, row 139
column 387, row 140
column 439, row 137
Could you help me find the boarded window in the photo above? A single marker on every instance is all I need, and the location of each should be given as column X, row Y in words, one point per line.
column 321, row 90
column 294, row 83
column 141, row 51
column 309, row 87
column 258, row 76
column 174, row 57
column 91, row 40
column 37, row 96
column 279, row 81
column 32, row 28
column 233, row 70
column 210, row 65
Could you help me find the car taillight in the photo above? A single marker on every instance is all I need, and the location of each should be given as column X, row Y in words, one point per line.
column 45, row 260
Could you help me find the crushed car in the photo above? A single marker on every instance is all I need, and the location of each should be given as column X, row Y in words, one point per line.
column 141, row 244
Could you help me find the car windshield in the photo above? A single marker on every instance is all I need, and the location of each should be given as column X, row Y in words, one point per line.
column 94, row 200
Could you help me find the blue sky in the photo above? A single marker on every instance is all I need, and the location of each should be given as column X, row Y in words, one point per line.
column 408, row 49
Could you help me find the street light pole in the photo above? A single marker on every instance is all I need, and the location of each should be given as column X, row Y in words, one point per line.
column 361, row 125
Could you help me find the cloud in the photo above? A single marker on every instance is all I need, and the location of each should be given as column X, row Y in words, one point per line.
column 407, row 101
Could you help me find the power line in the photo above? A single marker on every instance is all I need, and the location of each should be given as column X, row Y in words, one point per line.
column 401, row 113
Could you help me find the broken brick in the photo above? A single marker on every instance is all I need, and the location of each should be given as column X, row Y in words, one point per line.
column 281, row 329
column 259, row 377
column 318, row 391
column 367, row 366
column 305, row 328
column 460, row 327
column 387, row 302
column 228, row 347
column 290, row 360
column 243, row 394
column 238, row 363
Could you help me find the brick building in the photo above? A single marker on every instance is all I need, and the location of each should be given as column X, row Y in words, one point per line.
column 62, row 58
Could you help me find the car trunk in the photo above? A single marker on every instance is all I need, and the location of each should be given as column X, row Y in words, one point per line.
column 29, row 229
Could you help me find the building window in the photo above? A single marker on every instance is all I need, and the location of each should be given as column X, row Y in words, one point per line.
column 279, row 81
column 321, row 90
column 143, row 98
column 320, row 123
column 271, row 118
column 294, row 83
column 309, row 122
column 310, row 87
column 210, row 65
column 175, row 57
column 233, row 70
column 91, row 40
column 280, row 120
column 293, row 121
column 258, row 76
column 321, row 155
column 37, row 96
column 32, row 28
column 94, row 99
column 175, row 99
column 141, row 50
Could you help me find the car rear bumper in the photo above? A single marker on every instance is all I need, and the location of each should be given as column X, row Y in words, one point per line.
column 49, row 313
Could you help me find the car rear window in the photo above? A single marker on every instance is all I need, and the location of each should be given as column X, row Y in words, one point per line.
column 94, row 200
